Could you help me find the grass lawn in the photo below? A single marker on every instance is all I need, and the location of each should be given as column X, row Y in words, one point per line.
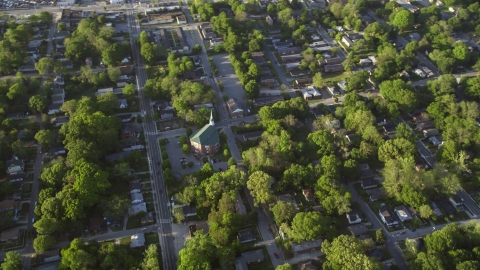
column 27, row 188
column 150, row 207
column 386, row 253
column 125, row 241
column 19, row 243
column 142, row 167
column 147, row 196
column 461, row 215
column 266, row 264
column 336, row 77
column 360, row 190
column 151, row 238
column 402, row 245
column 133, row 222
column 24, row 210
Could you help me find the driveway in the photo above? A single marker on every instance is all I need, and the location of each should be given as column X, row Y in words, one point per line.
column 231, row 84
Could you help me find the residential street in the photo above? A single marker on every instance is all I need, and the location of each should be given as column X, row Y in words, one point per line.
column 162, row 205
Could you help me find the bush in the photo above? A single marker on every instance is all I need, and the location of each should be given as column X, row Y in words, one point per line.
column 226, row 153
column 183, row 139
column 190, row 164
column 166, row 164
column 163, row 149
column 186, row 149
column 164, row 155
column 184, row 166
column 189, row 132
column 232, row 162
column 163, row 142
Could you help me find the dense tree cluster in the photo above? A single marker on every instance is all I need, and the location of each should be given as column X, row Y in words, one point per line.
column 248, row 73
column 150, row 51
column 92, row 39
column 92, row 255
column 453, row 247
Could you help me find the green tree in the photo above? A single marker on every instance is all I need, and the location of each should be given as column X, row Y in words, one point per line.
column 461, row 52
column 46, row 225
column 45, row 17
column 259, row 184
column 197, row 254
column 101, row 19
column 283, row 212
column 90, row 181
column 69, row 107
column 318, row 80
column 403, row 20
column 12, row 261
column 116, row 205
column 396, row 148
column 425, row 211
column 129, row 92
column 251, row 89
column 323, row 142
column 379, row 236
column 150, row 259
column 107, row 103
column 53, row 175
column 149, row 52
column 17, row 91
column 62, row 26
column 43, row 243
column 113, row 73
column 44, row 137
column 285, row 266
column 309, row 226
column 399, row 92
column 38, row 103
column 76, row 256
column 335, row 253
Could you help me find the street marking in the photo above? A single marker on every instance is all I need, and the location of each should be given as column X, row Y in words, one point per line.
column 164, row 221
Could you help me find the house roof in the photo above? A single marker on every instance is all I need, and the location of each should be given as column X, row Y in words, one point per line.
column 233, row 106
column 370, row 182
column 208, row 135
column 14, row 162
column 16, row 177
column 246, row 236
column 202, row 225
column 310, row 265
column 137, row 208
column 135, row 186
column 138, row 240
column 353, row 215
column 239, row 206
column 136, row 196
column 308, row 193
column 253, row 255
column 385, row 212
column 286, row 198
column 307, row 245
column 189, row 210
column 95, row 223
column 9, row 204
column 402, row 213
column 252, row 135
column 357, row 230
column 11, row 234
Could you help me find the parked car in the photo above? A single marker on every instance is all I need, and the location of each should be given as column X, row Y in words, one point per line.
column 276, row 255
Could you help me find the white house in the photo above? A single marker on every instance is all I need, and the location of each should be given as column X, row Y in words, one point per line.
column 136, row 198
column 353, row 217
column 122, row 103
column 14, row 166
column 138, row 240
column 386, row 216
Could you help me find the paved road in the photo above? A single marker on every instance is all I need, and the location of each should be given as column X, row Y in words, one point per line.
column 161, row 205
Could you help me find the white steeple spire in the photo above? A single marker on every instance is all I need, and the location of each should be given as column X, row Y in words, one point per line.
column 212, row 123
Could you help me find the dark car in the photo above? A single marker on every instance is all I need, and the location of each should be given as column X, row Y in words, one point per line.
column 276, row 255
column 413, row 230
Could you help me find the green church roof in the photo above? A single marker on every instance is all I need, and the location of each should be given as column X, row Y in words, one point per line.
column 207, row 135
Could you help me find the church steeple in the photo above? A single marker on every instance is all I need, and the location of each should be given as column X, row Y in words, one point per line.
column 212, row 123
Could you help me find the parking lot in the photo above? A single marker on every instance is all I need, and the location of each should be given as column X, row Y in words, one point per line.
column 231, row 84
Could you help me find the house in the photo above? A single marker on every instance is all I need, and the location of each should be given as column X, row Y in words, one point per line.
column 369, row 183
column 317, row 44
column 202, row 226
column 89, row 61
column 189, row 210
column 317, row 112
column 54, row 108
column 354, row 217
column 387, row 216
column 15, row 166
column 420, row 73
column 311, row 93
column 342, row 85
column 137, row 208
column 136, row 198
column 269, row 20
column 303, row 81
column 253, row 256
column 267, row 79
column 267, row 100
column 181, row 19
column 436, row 140
column 431, row 132
column 289, row 50
column 333, row 68
column 306, row 247
column 365, row 62
column 415, row 36
column 10, row 235
column 329, row 61
column 347, row 41
column 148, row 218
column 205, row 141
column 424, row 125
column 216, row 41
column 9, row 205
column 436, row 210
column 56, row 151
column 266, row 71
column 445, row 206
column 234, row 109
column 138, row 240
column 95, row 223
column 260, row 61
column 332, row 124
column 358, row 230
column 245, row 236
column 291, row 58
column 381, row 121
column 165, row 109
column 116, row 157
column 17, row 185
column 16, row 116
column 16, row 177
column 353, row 36
column 287, row 198
column 283, row 44
column 59, row 121
column 402, row 213
column 457, row 202
column 122, row 103
column 308, row 194
column 376, row 194
column 67, row 64
column 252, row 136
column 366, row 174
column 299, row 72
column 124, row 118
column 135, row 188
column 389, row 129
column 239, row 206
column 311, row 264
column 333, row 91
column 207, row 31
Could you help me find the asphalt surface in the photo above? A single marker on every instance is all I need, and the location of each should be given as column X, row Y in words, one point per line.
column 161, row 205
